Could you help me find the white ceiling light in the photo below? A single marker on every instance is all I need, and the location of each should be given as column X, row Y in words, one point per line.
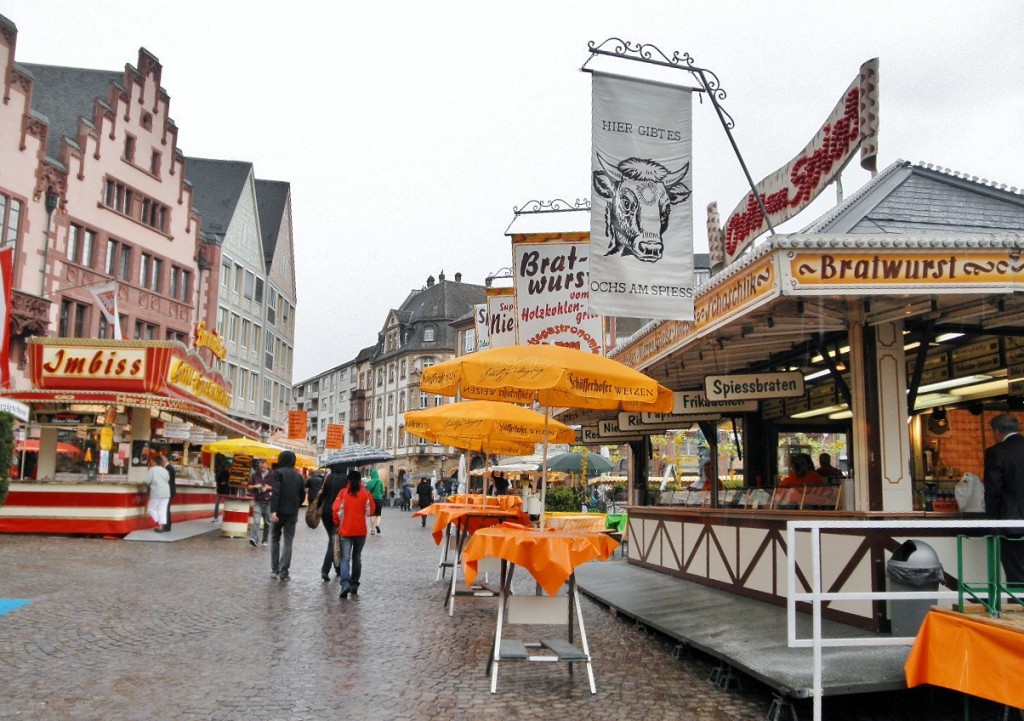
column 982, row 390
column 953, row 383
column 819, row 411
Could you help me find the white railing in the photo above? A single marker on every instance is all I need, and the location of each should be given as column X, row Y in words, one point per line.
column 816, row 596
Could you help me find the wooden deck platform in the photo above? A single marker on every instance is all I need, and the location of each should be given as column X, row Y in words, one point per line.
column 748, row 635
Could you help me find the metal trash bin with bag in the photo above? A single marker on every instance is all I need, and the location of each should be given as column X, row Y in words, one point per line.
column 914, row 566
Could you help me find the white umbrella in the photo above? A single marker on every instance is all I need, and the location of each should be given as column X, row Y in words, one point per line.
column 463, row 476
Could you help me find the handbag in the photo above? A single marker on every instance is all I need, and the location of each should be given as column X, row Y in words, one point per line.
column 315, row 509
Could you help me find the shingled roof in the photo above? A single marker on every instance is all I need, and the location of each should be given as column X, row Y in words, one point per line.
column 271, row 198
column 917, row 197
column 63, row 95
column 216, row 188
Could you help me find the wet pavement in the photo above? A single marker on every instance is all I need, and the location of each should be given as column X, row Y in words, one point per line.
column 197, row 629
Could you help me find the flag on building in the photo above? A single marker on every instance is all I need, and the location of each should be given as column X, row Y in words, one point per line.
column 641, row 231
column 106, row 299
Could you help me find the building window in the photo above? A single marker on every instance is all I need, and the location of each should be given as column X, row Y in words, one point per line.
column 225, row 274
column 391, row 373
column 239, row 274
column 268, row 347
column 380, row 408
column 352, row 374
column 401, row 436
column 129, row 148
column 401, row 402
column 233, row 328
column 145, row 331
column 248, row 285
column 73, row 234
column 390, row 437
column 10, row 218
column 87, row 246
column 258, row 295
column 185, row 287
column 391, row 404
column 74, row 320
column 401, row 368
column 154, row 163
column 144, row 263
column 119, row 259
column 424, row 400
column 428, row 335
column 380, row 377
column 272, row 306
column 246, row 331
column 156, row 272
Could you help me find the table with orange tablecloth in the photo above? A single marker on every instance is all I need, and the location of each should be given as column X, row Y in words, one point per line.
column 575, row 521
column 464, row 520
column 550, row 555
column 973, row 654
column 479, row 499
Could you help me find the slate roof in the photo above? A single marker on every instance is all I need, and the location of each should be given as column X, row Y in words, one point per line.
column 923, row 198
column 216, row 187
column 434, row 306
column 271, row 198
column 63, row 95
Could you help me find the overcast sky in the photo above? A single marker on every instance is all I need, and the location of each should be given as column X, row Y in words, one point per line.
column 410, row 130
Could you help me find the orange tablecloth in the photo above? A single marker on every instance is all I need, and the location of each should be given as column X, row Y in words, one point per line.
column 971, row 654
column 468, row 517
column 575, row 521
column 549, row 555
column 478, row 499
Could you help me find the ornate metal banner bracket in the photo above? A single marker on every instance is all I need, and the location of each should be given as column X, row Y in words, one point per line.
column 709, row 83
column 551, row 206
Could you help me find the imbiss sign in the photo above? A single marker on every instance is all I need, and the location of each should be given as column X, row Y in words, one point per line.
column 754, row 386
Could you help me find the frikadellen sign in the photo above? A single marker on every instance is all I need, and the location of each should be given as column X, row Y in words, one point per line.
column 691, row 403
column 753, row 386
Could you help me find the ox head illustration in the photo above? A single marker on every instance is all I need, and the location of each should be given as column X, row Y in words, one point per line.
column 640, row 194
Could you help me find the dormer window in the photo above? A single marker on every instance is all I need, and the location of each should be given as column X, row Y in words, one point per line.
column 429, row 335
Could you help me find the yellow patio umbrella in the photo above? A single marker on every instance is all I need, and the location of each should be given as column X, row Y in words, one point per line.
column 486, row 420
column 554, row 376
column 256, row 449
column 487, row 426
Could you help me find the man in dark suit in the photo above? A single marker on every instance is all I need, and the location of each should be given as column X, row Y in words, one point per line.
column 1004, row 488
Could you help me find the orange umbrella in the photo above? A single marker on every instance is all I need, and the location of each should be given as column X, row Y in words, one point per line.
column 31, row 445
column 554, row 376
column 480, row 422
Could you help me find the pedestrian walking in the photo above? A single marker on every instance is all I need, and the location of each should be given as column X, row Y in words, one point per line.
column 333, row 485
column 406, row 498
column 351, row 508
column 159, row 492
column 259, row 487
column 285, row 501
column 425, row 495
column 313, row 483
column 376, row 488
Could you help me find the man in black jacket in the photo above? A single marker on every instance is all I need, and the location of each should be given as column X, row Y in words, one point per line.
column 174, row 491
column 285, row 501
column 1004, row 488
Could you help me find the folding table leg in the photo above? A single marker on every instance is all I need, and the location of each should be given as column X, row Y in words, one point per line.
column 506, row 581
column 583, row 632
column 460, row 540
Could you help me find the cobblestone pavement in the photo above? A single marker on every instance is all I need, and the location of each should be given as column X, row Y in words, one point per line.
column 198, row 630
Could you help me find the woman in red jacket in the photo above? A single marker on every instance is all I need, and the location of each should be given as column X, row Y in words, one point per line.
column 350, row 511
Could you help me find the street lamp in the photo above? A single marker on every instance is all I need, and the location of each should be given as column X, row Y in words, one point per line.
column 51, row 205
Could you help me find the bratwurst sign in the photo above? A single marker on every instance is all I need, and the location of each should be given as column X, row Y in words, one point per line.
column 552, row 300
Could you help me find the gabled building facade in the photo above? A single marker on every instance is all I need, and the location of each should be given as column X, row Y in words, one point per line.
column 249, row 222
column 415, row 336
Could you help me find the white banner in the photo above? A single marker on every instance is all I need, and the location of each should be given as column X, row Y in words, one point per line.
column 551, row 277
column 641, row 221
column 483, row 338
column 501, row 317
column 106, row 299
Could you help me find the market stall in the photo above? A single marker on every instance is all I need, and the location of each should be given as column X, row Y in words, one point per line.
column 100, row 409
